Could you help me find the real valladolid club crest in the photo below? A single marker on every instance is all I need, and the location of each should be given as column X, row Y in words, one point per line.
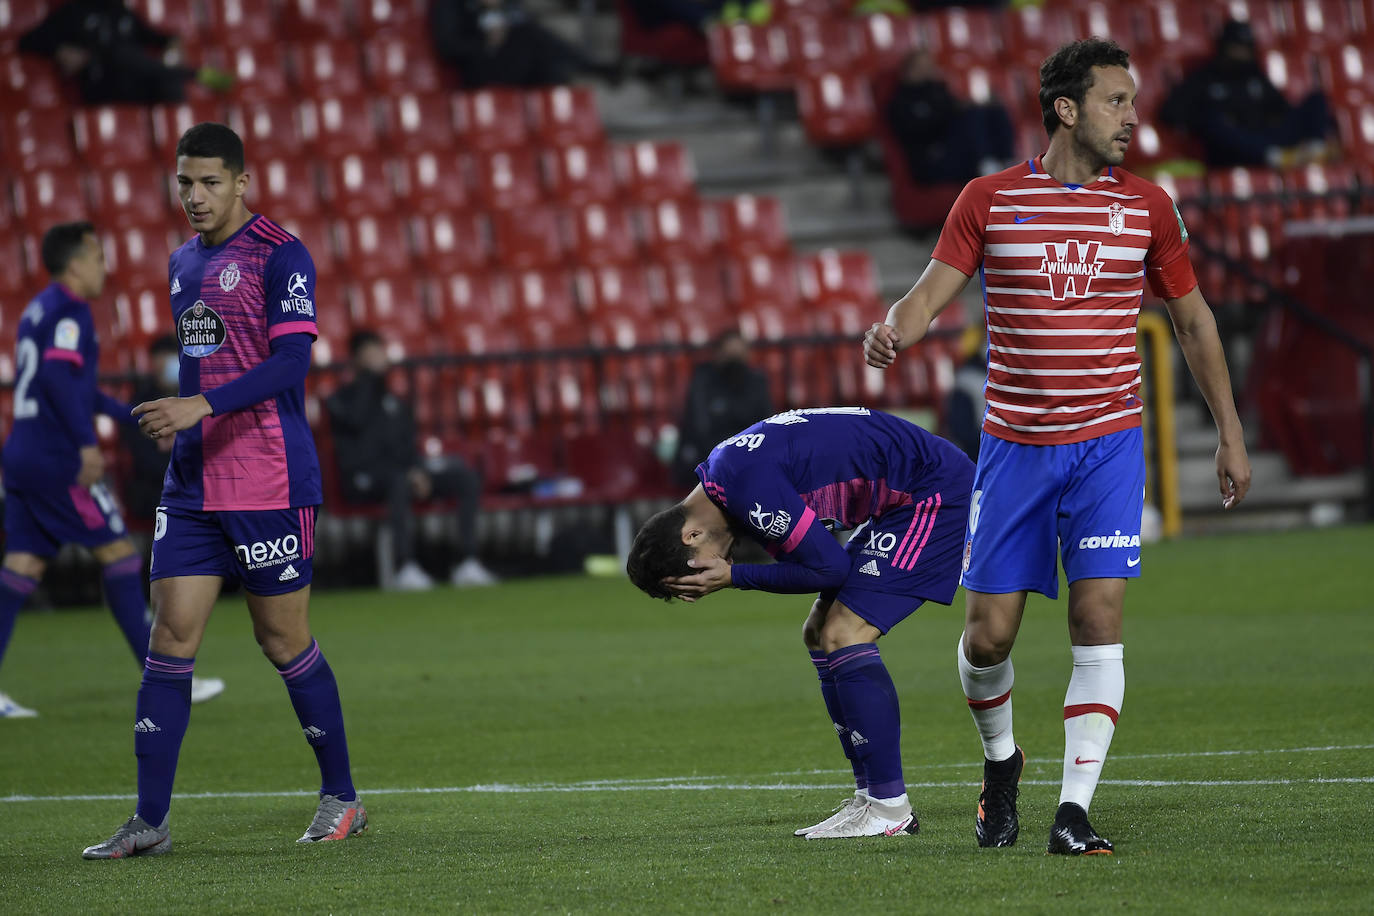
column 229, row 277
column 1116, row 219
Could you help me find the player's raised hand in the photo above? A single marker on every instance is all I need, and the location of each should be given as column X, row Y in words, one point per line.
column 1233, row 474
column 880, row 345
column 92, row 466
column 168, row 416
column 713, row 575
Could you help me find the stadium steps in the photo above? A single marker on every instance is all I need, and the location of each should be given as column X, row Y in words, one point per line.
column 1277, row 499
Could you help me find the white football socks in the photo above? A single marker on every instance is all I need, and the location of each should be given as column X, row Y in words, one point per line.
column 1091, row 707
column 989, row 700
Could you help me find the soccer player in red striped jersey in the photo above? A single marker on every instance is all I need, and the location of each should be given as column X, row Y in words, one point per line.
column 1063, row 244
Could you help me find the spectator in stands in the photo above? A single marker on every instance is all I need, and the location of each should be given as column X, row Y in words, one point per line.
column 374, row 434
column 724, row 396
column 498, row 43
column 654, row 14
column 143, row 489
column 946, row 140
column 1241, row 118
column 966, row 402
column 104, row 46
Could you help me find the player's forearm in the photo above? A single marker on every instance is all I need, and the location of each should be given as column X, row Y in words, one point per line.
column 114, row 408
column 1201, row 346
column 786, row 578
column 911, row 315
column 283, row 370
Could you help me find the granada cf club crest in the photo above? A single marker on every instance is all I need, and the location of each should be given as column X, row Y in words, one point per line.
column 1116, row 219
column 229, row 277
column 200, row 330
column 1070, row 266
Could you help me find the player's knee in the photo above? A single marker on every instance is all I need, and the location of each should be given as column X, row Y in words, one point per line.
column 29, row 565
column 984, row 646
column 811, row 629
column 844, row 628
column 113, row 552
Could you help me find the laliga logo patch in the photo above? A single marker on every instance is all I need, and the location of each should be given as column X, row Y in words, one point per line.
column 773, row 524
column 200, row 330
column 229, row 277
column 1116, row 219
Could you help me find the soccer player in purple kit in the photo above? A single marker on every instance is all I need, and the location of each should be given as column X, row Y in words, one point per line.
column 787, row 482
column 54, row 493
column 243, row 486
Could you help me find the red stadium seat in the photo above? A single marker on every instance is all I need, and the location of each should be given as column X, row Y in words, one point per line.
column 140, row 317
column 834, row 279
column 1031, row 33
column 675, row 229
column 1186, row 29
column 328, row 68
column 448, row 242
column 527, row 238
column 18, row 16
column 432, row 182
column 817, row 45
column 836, row 109
column 750, row 58
column 259, row 72
column 270, row 130
column 38, row 139
column 675, row 44
column 762, row 279
column 563, row 115
column 113, row 135
column 45, row 197
column 336, row 126
column 138, row 194
column 649, row 171
column 396, row 66
column 171, row 121
column 326, row 18
column 389, row 17
column 15, row 281
column 393, row 304
column 962, row 34
column 885, row 41
column 490, row 119
column 613, row 289
column 359, row 183
column 372, row 245
column 418, row 121
column 137, row 255
column 471, row 297
column 546, row 295
column 30, row 83
column 679, row 287
column 172, row 17
column 747, row 224
column 579, row 174
column 284, row 187
column 600, row 234
column 506, row 179
column 250, row 22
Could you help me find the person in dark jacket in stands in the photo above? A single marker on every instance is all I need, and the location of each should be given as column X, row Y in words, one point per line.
column 724, row 396
column 946, row 140
column 143, row 489
column 374, row 435
column 498, row 43
column 1241, row 118
column 105, row 47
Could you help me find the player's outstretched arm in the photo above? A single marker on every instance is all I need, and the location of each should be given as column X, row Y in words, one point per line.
column 910, row 316
column 1196, row 329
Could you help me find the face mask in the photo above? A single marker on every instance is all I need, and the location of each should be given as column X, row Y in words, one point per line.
column 170, row 372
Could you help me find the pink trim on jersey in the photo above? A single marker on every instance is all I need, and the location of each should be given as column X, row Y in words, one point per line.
column 804, row 525
column 90, row 513
column 271, row 231
column 307, row 533
column 292, row 327
column 918, row 534
column 70, row 356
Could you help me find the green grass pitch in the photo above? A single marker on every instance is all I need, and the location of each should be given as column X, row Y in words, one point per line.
column 565, row 745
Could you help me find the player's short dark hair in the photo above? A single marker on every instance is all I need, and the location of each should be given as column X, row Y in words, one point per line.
column 362, row 337
column 63, row 242
column 658, row 552
column 1068, row 73
column 209, row 140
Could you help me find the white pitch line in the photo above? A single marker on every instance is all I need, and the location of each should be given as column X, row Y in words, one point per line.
column 504, row 789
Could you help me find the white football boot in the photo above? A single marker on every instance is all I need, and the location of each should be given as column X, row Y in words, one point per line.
column 850, row 805
column 889, row 817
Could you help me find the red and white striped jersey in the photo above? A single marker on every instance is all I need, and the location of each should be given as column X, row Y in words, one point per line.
column 1063, row 271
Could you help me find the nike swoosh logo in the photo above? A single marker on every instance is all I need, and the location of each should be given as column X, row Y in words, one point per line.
column 1133, row 563
column 1026, row 219
column 1080, row 761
